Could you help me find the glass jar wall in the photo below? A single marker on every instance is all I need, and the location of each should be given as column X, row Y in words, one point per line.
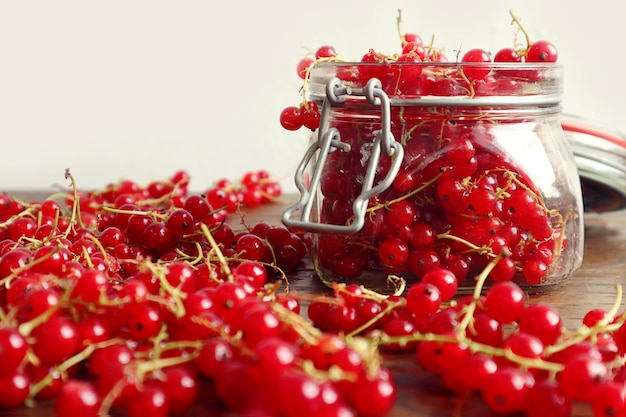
column 417, row 166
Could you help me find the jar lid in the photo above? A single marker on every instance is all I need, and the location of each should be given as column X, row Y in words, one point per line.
column 600, row 155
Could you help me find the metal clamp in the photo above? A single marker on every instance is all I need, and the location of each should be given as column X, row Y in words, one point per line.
column 328, row 141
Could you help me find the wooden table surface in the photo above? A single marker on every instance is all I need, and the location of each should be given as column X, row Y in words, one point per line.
column 421, row 393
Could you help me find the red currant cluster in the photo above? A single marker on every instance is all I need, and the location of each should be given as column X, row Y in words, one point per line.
column 254, row 189
column 143, row 298
column 307, row 113
column 420, row 70
column 513, row 354
column 460, row 196
column 453, row 203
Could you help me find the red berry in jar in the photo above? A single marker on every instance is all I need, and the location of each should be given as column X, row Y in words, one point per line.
column 456, row 165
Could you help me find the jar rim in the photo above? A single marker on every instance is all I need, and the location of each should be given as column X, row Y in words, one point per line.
column 498, row 84
column 449, row 64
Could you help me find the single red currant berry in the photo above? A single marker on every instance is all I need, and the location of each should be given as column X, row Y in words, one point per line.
column 158, row 238
column 181, row 387
column 507, row 55
column 483, row 200
column 14, row 389
column 393, row 252
column 410, row 70
column 524, row 345
column 55, row 340
column 543, row 321
column 152, row 400
column 253, row 248
column 592, row 317
column 374, row 396
column 422, row 260
column 415, row 48
column 423, row 299
column 325, row 51
column 411, row 37
column 214, row 353
column 401, row 213
column 422, row 235
column 13, row 348
column 180, row 222
column 505, row 302
column 485, row 330
column 476, row 371
column 444, row 280
column 542, row 51
column 476, row 72
column 77, row 398
column 609, row 400
column 91, row 286
column 291, row 118
column 145, row 323
column 251, row 271
column 546, row 399
column 310, row 115
column 534, row 270
column 581, row 375
column 303, row 66
column 506, row 389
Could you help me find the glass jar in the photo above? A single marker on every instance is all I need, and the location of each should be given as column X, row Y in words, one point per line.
column 417, row 166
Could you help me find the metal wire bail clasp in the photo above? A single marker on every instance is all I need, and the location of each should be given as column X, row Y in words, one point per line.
column 328, row 141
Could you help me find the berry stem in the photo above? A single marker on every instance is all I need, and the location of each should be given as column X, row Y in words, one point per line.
column 390, row 307
column 26, row 328
column 407, row 195
column 521, row 27
column 76, row 217
column 6, row 281
column 148, row 213
column 481, row 250
column 65, row 366
column 223, row 262
column 478, row 288
column 176, row 293
column 28, row 212
column 399, row 28
column 309, row 333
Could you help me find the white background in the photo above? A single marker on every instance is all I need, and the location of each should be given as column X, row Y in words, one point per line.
column 139, row 89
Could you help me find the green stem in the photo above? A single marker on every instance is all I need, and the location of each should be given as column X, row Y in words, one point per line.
column 6, row 281
column 76, row 217
column 478, row 288
column 218, row 252
column 65, row 366
column 521, row 27
column 375, row 319
column 407, row 195
column 482, row 250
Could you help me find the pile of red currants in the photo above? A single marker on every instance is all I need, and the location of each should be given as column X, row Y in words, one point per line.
column 145, row 299
column 496, row 344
